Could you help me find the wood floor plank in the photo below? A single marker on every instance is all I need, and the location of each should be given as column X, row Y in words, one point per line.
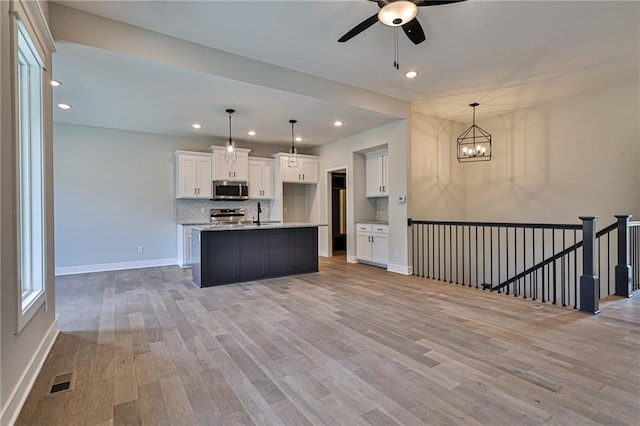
column 351, row 344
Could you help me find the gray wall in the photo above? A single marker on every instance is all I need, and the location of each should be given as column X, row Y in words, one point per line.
column 551, row 163
column 21, row 353
column 346, row 153
column 115, row 191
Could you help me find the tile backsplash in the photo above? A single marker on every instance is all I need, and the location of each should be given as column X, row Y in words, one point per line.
column 382, row 209
column 190, row 211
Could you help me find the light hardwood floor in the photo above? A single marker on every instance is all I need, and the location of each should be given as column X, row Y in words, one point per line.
column 350, row 345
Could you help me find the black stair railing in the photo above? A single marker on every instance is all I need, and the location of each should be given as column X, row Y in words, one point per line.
column 545, row 262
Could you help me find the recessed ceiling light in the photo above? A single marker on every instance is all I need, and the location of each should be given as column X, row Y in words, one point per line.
column 196, row 126
column 55, row 83
column 298, row 139
column 252, row 133
column 411, row 74
column 338, row 123
column 64, row 106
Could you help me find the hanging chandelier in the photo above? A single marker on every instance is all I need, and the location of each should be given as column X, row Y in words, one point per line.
column 474, row 144
column 230, row 151
column 293, row 152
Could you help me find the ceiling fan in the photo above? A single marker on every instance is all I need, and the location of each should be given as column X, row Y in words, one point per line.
column 396, row 13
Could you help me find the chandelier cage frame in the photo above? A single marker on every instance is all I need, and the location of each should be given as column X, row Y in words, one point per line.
column 474, row 144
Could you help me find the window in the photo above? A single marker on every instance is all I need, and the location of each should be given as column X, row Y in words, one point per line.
column 30, row 175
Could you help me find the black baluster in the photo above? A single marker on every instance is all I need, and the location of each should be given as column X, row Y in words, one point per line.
column 499, row 258
column 553, row 253
column 491, row 247
column 575, row 270
column 457, row 265
column 470, row 260
column 506, row 230
column 524, row 262
column 476, row 256
column 609, row 261
column 450, row 254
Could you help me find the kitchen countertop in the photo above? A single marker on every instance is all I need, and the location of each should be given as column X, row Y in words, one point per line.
column 254, row 226
column 374, row 222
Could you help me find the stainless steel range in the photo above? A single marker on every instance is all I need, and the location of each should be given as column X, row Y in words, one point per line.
column 229, row 217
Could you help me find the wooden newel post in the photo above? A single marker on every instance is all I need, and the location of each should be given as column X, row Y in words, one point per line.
column 589, row 282
column 624, row 280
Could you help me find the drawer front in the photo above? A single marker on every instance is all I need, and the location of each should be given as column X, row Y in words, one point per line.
column 363, row 227
column 382, row 229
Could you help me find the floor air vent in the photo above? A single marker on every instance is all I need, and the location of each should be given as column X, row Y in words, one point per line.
column 62, row 383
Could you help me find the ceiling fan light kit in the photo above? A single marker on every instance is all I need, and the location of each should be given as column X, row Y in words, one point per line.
column 397, row 13
column 474, row 144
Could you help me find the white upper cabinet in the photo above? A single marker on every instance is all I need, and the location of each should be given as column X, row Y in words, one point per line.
column 306, row 172
column 193, row 174
column 261, row 178
column 238, row 171
column 377, row 172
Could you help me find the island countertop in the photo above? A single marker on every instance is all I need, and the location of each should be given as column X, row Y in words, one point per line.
column 243, row 227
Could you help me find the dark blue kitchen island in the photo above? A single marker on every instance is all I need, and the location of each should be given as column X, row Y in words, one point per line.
column 237, row 253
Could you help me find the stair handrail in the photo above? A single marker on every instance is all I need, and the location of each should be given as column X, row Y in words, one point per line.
column 549, row 260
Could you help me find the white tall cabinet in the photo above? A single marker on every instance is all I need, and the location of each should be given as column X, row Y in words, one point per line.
column 238, row 171
column 377, row 174
column 193, row 174
column 261, row 178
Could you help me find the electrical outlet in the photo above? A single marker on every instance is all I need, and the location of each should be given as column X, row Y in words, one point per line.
column 140, row 249
column 395, row 253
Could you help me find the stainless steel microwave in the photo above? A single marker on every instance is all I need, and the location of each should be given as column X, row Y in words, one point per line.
column 228, row 190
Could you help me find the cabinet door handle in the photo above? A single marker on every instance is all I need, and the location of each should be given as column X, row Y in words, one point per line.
column 303, row 176
column 372, row 239
column 234, row 174
column 384, row 189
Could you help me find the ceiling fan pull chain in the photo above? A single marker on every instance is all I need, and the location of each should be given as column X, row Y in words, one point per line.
column 395, row 47
column 397, row 50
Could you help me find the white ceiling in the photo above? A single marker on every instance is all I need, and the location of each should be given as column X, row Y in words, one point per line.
column 503, row 54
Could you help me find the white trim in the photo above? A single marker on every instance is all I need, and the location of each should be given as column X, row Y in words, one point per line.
column 323, row 253
column 101, row 267
column 32, row 15
column 352, row 259
column 10, row 411
column 400, row 269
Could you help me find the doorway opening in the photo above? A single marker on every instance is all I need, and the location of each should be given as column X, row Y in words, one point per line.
column 338, row 230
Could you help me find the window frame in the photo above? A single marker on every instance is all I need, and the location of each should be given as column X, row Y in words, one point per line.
column 31, row 251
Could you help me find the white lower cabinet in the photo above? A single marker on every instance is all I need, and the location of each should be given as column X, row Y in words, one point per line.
column 372, row 243
column 184, row 246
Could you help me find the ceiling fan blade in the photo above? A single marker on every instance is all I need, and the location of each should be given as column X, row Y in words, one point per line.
column 413, row 30
column 359, row 28
column 435, row 2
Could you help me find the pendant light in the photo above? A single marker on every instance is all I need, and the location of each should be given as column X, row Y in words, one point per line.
column 474, row 144
column 293, row 152
column 230, row 151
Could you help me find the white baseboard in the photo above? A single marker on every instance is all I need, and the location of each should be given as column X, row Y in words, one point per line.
column 352, row 259
column 11, row 410
column 400, row 269
column 323, row 253
column 101, row 267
